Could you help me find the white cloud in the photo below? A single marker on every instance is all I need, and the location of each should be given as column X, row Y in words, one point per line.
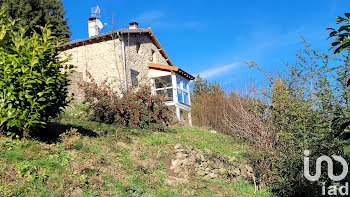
column 149, row 16
column 218, row 70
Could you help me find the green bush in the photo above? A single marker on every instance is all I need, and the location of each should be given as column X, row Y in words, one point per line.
column 136, row 108
column 32, row 81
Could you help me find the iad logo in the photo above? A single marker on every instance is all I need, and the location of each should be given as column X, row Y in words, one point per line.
column 329, row 165
column 332, row 190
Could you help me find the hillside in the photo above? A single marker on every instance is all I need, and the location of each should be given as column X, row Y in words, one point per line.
column 94, row 159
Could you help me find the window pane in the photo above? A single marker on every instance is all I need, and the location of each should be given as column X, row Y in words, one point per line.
column 167, row 92
column 179, row 96
column 134, row 75
column 163, row 82
column 178, row 82
column 186, row 99
column 185, row 83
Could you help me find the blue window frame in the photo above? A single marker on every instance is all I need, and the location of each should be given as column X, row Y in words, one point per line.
column 186, row 99
column 178, row 82
column 185, row 84
column 183, row 94
column 179, row 96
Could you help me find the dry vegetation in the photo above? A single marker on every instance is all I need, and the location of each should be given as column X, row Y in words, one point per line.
column 96, row 159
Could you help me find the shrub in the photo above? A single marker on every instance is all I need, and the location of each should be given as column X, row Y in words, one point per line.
column 294, row 115
column 136, row 108
column 71, row 139
column 32, row 82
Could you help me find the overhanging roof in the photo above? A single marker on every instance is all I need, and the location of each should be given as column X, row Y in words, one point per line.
column 170, row 68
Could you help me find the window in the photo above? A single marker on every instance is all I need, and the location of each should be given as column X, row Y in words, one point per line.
column 134, row 75
column 186, row 99
column 185, row 85
column 138, row 44
column 167, row 92
column 163, row 82
column 178, row 82
column 179, row 96
column 153, row 54
column 163, row 85
column 183, row 95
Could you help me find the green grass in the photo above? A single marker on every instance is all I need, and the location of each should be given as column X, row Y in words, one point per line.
column 115, row 161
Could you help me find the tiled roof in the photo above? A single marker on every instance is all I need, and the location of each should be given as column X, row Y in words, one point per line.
column 114, row 34
column 170, row 68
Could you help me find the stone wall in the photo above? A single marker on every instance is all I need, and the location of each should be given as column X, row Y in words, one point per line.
column 191, row 161
column 104, row 60
column 74, row 90
column 138, row 59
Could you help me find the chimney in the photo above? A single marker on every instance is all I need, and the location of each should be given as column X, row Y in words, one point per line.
column 93, row 28
column 133, row 25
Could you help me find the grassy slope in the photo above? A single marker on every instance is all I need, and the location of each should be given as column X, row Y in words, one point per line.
column 117, row 162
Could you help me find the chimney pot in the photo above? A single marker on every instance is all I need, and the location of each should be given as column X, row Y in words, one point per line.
column 133, row 25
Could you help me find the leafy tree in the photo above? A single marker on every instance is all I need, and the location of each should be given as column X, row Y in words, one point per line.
column 32, row 81
column 302, row 102
column 342, row 43
column 342, row 35
column 201, row 85
column 33, row 13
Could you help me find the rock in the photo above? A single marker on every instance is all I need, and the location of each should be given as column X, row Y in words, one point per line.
column 205, row 164
column 183, row 174
column 208, row 151
column 185, row 162
column 177, row 170
column 249, row 168
column 200, row 173
column 235, row 171
column 172, row 180
column 179, row 146
column 212, row 131
column 232, row 159
column 210, row 176
column 191, row 160
column 174, row 162
column 77, row 191
column 216, row 171
column 181, row 156
column 207, row 170
column 222, row 170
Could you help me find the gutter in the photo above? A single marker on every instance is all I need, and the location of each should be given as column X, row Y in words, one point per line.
column 124, row 61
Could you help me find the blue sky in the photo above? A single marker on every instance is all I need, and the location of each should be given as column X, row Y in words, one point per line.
column 212, row 38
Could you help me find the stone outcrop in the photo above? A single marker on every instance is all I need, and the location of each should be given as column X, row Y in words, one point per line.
column 191, row 161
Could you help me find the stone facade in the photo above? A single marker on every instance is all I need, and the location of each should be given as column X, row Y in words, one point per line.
column 137, row 59
column 125, row 56
column 104, row 61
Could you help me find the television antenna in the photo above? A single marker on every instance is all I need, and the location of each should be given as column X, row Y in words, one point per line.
column 96, row 12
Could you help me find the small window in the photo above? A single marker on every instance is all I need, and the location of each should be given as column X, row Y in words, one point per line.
column 134, row 75
column 138, row 44
column 163, row 82
column 152, row 58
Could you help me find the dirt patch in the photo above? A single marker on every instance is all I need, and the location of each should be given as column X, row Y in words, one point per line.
column 9, row 175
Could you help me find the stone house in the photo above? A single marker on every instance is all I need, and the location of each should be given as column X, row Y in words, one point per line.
column 128, row 56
